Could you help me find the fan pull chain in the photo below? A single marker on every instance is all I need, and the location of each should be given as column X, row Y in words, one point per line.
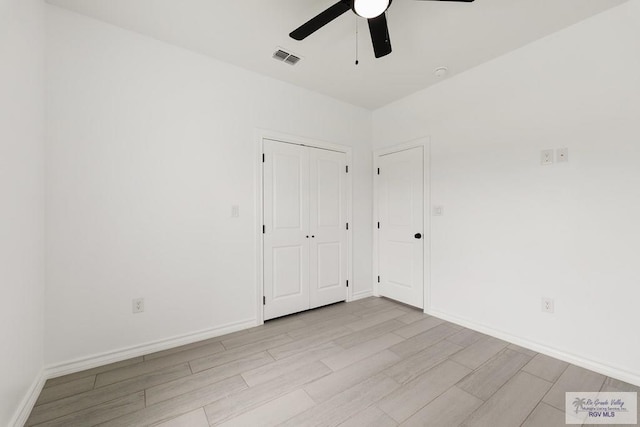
column 357, row 62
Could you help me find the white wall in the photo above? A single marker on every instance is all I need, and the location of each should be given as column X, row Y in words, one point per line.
column 514, row 231
column 148, row 148
column 21, row 201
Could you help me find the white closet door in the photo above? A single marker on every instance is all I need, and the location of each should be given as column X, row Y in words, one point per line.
column 328, row 220
column 286, row 219
column 400, row 208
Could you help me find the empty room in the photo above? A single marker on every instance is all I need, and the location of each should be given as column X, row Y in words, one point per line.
column 319, row 213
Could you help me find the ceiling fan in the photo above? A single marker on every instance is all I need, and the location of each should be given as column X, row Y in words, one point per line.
column 372, row 10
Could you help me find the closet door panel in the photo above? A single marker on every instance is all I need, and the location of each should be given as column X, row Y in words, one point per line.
column 286, row 219
column 327, row 213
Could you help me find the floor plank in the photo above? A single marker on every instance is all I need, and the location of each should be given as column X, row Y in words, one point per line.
column 180, row 405
column 100, row 413
column 272, row 370
column 262, row 332
column 205, row 378
column 361, row 351
column 375, row 319
column 195, row 418
column 466, row 337
column 487, row 379
column 409, row 368
column 368, row 334
column 419, row 326
column 67, row 389
column 93, row 371
column 211, row 361
column 346, row 404
column 416, row 394
column 132, row 371
column 510, row 405
column 573, row 378
column 370, row 417
column 545, row 416
column 417, row 343
column 546, row 367
column 479, row 352
column 305, row 343
column 449, row 409
column 275, row 412
column 237, row 403
column 325, row 388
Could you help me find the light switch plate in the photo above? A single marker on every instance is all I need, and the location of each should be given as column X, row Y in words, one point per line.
column 438, row 211
column 548, row 305
column 137, row 305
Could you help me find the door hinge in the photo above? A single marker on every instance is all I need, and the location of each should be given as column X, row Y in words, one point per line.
column 264, row 300
column 347, row 226
column 378, row 279
column 347, row 168
column 347, row 283
column 378, row 171
column 264, row 229
column 262, row 157
column 378, row 225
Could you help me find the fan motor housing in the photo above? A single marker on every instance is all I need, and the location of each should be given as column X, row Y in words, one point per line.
column 353, row 8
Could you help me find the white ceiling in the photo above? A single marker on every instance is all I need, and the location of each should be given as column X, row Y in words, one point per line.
column 424, row 35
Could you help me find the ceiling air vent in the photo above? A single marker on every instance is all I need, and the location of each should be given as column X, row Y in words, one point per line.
column 282, row 55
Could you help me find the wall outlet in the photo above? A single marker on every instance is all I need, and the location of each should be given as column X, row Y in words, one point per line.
column 548, row 305
column 235, row 211
column 562, row 155
column 438, row 211
column 138, row 305
column 546, row 157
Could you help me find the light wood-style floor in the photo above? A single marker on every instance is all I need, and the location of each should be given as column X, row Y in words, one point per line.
column 368, row 363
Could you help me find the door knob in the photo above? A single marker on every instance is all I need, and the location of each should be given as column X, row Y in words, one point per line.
column 418, row 236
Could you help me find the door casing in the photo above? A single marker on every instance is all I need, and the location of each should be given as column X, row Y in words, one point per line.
column 260, row 136
column 426, row 240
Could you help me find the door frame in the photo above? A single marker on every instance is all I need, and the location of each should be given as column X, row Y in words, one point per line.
column 260, row 136
column 425, row 143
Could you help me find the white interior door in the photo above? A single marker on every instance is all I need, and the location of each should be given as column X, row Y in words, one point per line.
column 401, row 234
column 328, row 220
column 286, row 219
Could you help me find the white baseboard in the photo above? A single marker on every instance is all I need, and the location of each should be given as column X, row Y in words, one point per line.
column 361, row 295
column 28, row 402
column 78, row 365
column 142, row 349
column 596, row 366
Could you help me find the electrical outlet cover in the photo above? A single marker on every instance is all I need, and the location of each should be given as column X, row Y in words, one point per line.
column 548, row 305
column 562, row 155
column 546, row 157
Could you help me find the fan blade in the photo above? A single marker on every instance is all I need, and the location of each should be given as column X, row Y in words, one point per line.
column 380, row 35
column 314, row 24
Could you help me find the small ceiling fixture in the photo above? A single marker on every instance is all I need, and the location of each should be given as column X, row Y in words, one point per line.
column 370, row 8
column 441, row 72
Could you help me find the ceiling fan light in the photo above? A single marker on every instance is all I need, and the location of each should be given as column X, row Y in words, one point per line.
column 370, row 8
